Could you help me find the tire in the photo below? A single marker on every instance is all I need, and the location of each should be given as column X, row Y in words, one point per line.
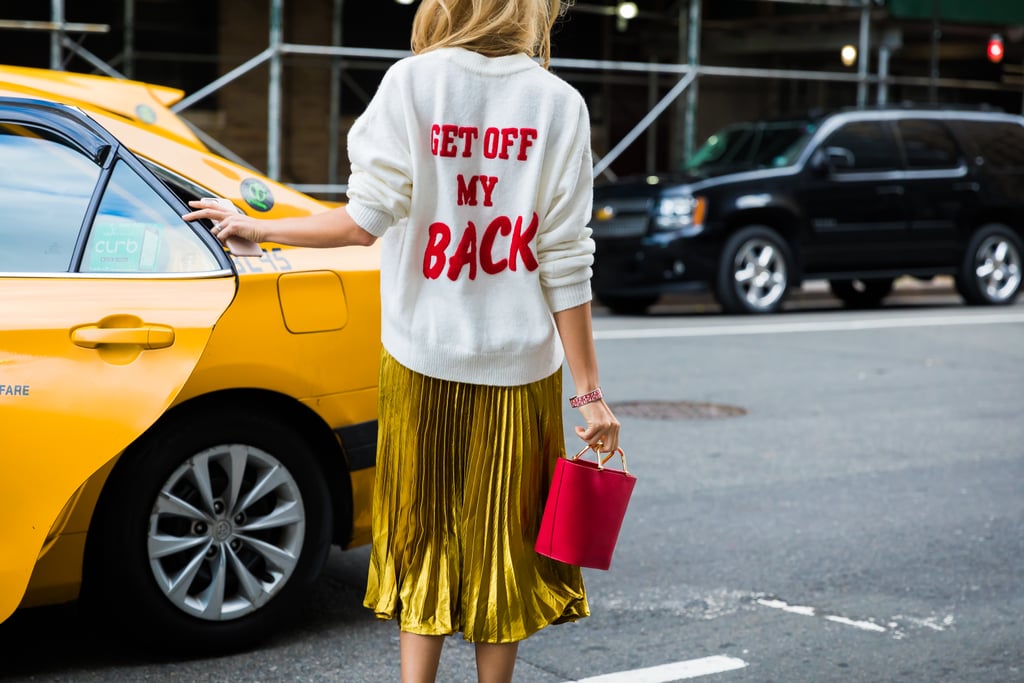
column 862, row 293
column 627, row 305
column 237, row 504
column 753, row 271
column 991, row 271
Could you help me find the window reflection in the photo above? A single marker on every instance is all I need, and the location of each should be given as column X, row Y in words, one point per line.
column 45, row 188
column 136, row 231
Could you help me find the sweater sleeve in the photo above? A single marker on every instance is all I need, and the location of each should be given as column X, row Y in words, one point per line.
column 380, row 185
column 565, row 248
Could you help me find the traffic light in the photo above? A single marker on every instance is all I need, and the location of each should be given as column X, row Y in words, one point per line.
column 995, row 48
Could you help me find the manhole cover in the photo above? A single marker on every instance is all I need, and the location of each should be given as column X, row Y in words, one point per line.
column 675, row 410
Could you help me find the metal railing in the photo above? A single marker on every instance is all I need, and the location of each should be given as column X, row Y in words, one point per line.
column 686, row 74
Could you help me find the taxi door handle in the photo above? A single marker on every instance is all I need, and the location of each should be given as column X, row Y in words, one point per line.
column 146, row 336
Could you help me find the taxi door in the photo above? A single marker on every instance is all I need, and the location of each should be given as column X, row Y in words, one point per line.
column 107, row 301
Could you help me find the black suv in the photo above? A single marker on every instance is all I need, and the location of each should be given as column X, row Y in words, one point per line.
column 858, row 198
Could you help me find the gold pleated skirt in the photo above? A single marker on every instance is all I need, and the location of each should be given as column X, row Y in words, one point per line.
column 462, row 475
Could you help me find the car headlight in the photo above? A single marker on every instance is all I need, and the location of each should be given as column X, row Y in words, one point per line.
column 673, row 213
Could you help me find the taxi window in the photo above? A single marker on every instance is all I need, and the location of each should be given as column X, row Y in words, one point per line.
column 136, row 231
column 45, row 187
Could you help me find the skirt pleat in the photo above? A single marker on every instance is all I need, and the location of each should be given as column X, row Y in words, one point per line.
column 462, row 475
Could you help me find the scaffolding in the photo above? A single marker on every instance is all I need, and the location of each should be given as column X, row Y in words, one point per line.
column 685, row 73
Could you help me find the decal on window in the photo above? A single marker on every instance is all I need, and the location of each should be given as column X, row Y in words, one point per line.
column 124, row 247
column 257, row 195
column 145, row 113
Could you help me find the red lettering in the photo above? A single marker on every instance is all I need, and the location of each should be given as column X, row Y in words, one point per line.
column 521, row 244
column 448, row 133
column 435, row 132
column 508, row 137
column 491, row 140
column 488, row 182
column 440, row 236
column 468, row 134
column 465, row 254
column 500, row 224
column 467, row 191
column 469, row 253
column 527, row 136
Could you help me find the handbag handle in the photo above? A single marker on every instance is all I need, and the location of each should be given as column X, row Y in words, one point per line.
column 602, row 459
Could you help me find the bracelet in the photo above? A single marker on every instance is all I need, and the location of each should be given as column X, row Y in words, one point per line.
column 595, row 395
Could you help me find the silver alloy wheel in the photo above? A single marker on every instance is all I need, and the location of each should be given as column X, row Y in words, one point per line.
column 760, row 273
column 226, row 532
column 997, row 268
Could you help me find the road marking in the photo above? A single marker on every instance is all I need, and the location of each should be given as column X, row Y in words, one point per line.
column 785, row 607
column 812, row 326
column 934, row 623
column 811, row 612
column 676, row 671
column 862, row 625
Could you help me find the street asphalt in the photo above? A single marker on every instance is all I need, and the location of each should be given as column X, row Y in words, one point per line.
column 860, row 519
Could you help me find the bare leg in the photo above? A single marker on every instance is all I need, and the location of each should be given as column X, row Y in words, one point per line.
column 420, row 657
column 495, row 662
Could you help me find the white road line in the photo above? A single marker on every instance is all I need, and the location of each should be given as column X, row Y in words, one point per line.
column 811, row 612
column 786, row 607
column 811, row 326
column 863, row 625
column 677, row 671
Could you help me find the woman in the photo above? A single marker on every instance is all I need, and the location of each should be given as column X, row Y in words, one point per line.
column 472, row 164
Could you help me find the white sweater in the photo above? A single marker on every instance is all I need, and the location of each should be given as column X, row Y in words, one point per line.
column 476, row 172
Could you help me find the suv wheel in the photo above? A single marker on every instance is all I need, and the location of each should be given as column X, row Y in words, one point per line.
column 753, row 271
column 862, row 293
column 627, row 305
column 991, row 270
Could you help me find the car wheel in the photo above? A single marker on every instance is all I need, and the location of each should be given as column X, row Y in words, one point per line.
column 753, row 271
column 627, row 305
column 991, row 270
column 862, row 293
column 215, row 533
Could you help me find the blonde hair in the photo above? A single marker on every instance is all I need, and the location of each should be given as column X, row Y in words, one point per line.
column 491, row 27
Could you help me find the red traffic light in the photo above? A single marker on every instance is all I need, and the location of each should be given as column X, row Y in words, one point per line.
column 995, row 49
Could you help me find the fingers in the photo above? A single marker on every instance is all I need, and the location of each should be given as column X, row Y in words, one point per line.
column 602, row 430
column 214, row 215
column 207, row 209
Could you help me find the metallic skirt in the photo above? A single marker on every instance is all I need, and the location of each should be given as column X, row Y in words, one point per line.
column 462, row 475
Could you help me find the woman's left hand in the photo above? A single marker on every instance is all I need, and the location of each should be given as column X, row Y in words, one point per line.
column 602, row 430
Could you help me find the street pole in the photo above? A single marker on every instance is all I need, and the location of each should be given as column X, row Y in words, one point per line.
column 57, row 15
column 692, row 57
column 934, row 67
column 274, row 93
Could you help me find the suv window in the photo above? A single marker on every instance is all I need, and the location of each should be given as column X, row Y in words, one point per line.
column 136, row 231
column 928, row 144
column 870, row 144
column 1001, row 143
column 45, row 188
column 748, row 144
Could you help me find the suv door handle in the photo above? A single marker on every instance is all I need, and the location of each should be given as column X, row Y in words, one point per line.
column 889, row 189
column 146, row 336
column 968, row 185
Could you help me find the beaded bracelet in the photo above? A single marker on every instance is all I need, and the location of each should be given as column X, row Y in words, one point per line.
column 595, row 395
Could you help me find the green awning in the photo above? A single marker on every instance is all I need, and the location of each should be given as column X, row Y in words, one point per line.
column 966, row 11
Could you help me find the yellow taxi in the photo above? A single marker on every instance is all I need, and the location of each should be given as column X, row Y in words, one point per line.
column 184, row 433
column 147, row 104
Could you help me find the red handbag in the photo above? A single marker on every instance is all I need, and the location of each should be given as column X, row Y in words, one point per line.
column 584, row 510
